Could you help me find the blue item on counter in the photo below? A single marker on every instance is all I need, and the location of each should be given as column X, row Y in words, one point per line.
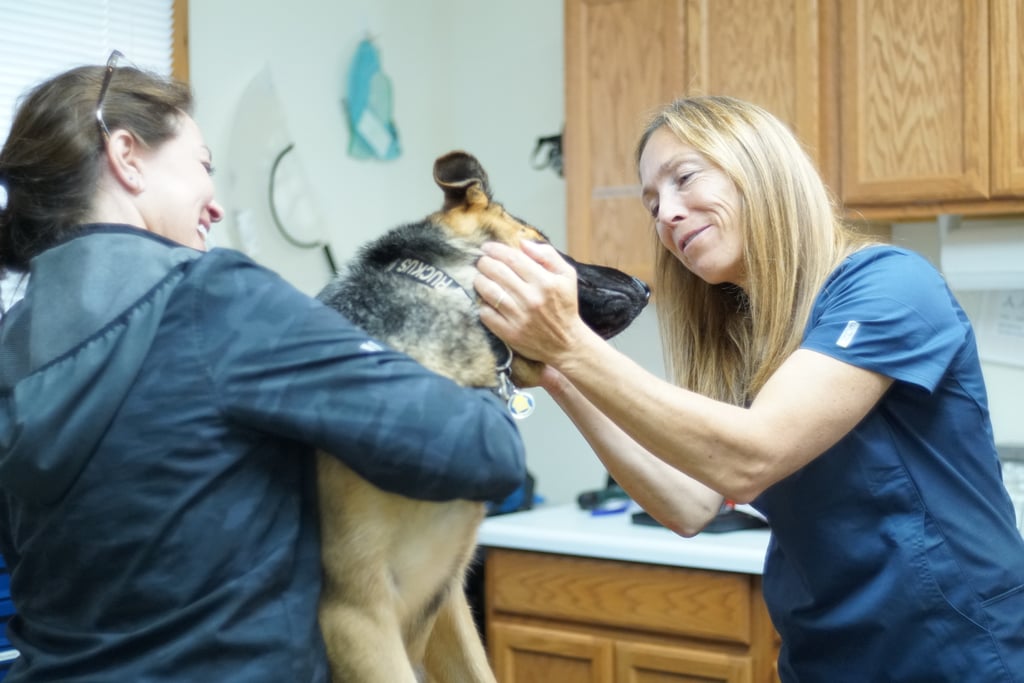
column 523, row 498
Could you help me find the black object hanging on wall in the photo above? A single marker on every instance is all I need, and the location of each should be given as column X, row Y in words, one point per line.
column 548, row 154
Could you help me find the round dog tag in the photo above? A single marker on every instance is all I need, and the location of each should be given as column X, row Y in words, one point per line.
column 520, row 404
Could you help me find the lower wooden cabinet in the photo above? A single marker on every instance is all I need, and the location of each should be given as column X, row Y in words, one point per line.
column 540, row 653
column 568, row 619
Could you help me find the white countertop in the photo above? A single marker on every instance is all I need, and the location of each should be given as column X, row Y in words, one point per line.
column 567, row 530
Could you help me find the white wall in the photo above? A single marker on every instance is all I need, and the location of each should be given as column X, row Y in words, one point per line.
column 1003, row 381
column 484, row 77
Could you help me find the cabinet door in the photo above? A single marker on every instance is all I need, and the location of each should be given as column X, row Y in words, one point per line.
column 914, row 100
column 770, row 52
column 623, row 59
column 645, row 663
column 1007, row 98
column 528, row 654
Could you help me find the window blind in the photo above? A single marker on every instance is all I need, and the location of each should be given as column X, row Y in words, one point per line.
column 40, row 38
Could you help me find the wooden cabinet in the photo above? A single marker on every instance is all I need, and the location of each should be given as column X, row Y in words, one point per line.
column 775, row 53
column 1007, row 83
column 911, row 108
column 626, row 58
column 582, row 620
column 929, row 107
column 623, row 58
column 914, row 101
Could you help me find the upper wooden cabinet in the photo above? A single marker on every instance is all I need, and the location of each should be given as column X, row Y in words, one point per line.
column 626, row 58
column 1007, row 46
column 911, row 108
column 623, row 58
column 914, row 101
column 930, row 102
column 770, row 52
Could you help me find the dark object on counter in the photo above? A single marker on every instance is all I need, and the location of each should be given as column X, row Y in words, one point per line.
column 590, row 500
column 728, row 520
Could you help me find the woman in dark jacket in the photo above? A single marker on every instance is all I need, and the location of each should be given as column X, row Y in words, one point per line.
column 161, row 406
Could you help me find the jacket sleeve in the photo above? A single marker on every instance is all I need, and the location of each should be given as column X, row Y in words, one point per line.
column 283, row 363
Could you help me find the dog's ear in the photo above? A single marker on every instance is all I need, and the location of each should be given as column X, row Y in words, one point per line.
column 463, row 180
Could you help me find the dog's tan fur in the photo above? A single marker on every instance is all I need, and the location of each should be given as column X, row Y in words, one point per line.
column 387, row 561
column 393, row 608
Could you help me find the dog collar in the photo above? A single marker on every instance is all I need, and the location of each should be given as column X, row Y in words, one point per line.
column 425, row 274
column 520, row 403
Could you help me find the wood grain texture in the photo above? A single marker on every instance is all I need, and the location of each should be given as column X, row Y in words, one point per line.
column 646, row 663
column 552, row 617
column 533, row 653
column 623, row 59
column 914, row 100
column 179, row 42
column 764, row 51
column 706, row 604
column 1007, row 98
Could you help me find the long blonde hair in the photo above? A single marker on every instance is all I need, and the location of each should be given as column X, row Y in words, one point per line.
column 719, row 340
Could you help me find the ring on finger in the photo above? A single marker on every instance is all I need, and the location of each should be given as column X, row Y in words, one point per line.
column 501, row 299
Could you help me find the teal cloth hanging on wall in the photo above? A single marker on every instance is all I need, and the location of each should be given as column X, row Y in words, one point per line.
column 368, row 105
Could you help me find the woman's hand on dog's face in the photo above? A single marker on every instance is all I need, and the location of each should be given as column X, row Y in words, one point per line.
column 530, row 299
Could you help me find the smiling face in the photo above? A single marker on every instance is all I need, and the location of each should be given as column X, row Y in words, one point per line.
column 178, row 202
column 696, row 208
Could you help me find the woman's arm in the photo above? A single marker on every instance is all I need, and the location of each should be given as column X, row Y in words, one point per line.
column 281, row 363
column 674, row 499
column 806, row 407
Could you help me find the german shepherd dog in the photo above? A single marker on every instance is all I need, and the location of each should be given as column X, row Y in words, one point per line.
column 393, row 608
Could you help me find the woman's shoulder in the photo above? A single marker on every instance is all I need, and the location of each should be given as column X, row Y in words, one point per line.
column 887, row 256
column 884, row 267
column 885, row 277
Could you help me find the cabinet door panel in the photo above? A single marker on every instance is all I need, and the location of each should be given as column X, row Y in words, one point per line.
column 623, row 59
column 645, row 663
column 1007, row 98
column 625, row 595
column 918, row 70
column 527, row 654
column 765, row 51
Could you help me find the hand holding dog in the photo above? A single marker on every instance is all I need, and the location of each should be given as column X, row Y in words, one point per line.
column 530, row 301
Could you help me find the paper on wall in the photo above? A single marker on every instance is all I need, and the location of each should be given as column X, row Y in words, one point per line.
column 1000, row 327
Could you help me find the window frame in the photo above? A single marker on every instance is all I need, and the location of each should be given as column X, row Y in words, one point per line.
column 179, row 42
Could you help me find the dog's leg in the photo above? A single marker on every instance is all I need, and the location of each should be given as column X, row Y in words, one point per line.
column 455, row 653
column 365, row 646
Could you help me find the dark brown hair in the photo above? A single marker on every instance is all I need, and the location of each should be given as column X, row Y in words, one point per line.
column 50, row 164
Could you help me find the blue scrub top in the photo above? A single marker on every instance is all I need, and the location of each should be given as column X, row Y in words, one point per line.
column 895, row 555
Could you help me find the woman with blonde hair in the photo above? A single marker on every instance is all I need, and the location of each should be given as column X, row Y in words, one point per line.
column 831, row 381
